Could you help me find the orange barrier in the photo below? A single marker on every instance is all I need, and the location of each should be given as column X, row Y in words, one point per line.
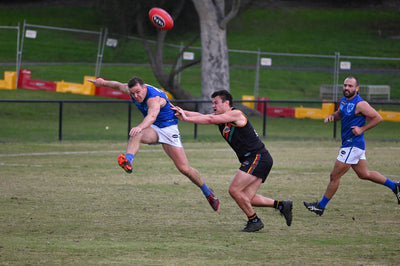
column 315, row 113
column 86, row 88
column 390, row 115
column 248, row 104
column 10, row 80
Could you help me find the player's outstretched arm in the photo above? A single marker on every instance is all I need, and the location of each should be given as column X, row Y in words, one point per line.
column 187, row 113
column 100, row 82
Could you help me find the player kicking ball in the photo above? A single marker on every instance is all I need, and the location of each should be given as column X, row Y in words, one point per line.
column 158, row 126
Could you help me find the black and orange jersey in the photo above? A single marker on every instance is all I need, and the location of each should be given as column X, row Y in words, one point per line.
column 243, row 139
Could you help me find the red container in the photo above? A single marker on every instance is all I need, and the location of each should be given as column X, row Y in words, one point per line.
column 111, row 93
column 25, row 82
column 274, row 111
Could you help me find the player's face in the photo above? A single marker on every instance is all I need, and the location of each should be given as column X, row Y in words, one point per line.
column 349, row 88
column 138, row 92
column 219, row 106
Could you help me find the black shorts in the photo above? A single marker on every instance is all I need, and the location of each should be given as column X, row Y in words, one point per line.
column 258, row 165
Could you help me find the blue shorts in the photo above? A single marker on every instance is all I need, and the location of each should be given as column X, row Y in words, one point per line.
column 258, row 165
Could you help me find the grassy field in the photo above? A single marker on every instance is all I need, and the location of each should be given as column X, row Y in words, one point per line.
column 69, row 203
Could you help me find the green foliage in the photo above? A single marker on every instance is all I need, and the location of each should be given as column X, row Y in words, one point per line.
column 302, row 31
column 357, row 32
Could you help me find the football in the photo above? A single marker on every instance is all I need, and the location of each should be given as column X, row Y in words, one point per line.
column 160, row 18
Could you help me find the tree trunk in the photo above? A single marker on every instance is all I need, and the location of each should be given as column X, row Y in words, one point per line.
column 214, row 58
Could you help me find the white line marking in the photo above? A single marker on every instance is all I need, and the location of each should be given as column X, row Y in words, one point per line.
column 92, row 152
column 15, row 164
column 385, row 148
column 54, row 153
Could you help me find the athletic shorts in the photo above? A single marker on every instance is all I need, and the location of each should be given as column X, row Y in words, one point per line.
column 351, row 155
column 258, row 165
column 169, row 135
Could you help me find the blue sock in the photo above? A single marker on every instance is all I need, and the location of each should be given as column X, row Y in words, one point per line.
column 390, row 184
column 205, row 189
column 323, row 202
column 130, row 157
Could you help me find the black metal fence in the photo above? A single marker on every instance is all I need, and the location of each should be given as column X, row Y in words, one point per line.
column 273, row 127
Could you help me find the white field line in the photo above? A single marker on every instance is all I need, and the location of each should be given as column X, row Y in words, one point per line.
column 119, row 151
column 20, row 164
column 93, row 152
column 81, row 152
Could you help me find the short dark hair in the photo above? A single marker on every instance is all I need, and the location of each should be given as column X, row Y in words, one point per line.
column 356, row 79
column 135, row 80
column 225, row 96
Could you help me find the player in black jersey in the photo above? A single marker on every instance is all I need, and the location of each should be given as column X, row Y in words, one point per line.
column 256, row 162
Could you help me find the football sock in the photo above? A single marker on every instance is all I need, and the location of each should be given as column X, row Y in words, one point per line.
column 130, row 157
column 390, row 184
column 278, row 205
column 205, row 189
column 253, row 218
column 323, row 202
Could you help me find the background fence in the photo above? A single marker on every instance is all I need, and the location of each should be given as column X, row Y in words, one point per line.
column 96, row 120
column 316, row 78
column 97, row 49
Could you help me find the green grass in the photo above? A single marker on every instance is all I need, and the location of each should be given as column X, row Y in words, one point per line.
column 69, row 203
column 317, row 31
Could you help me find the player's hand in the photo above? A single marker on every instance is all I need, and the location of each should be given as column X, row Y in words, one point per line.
column 99, row 82
column 357, row 130
column 135, row 131
column 329, row 118
column 179, row 112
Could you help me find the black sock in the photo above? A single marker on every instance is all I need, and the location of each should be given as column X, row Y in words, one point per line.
column 253, row 218
column 278, row 205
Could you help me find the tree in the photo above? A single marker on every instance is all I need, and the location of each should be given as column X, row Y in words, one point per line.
column 215, row 58
column 213, row 19
column 132, row 17
column 167, row 80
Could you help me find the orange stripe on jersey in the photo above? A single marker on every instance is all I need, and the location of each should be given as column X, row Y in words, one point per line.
column 254, row 164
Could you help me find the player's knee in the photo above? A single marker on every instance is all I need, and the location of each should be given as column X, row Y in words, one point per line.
column 334, row 178
column 233, row 192
column 184, row 169
column 363, row 175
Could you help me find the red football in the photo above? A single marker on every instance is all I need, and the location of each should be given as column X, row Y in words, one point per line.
column 160, row 18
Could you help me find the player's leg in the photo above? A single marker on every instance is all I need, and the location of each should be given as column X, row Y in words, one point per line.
column 148, row 136
column 178, row 156
column 243, row 190
column 363, row 173
column 339, row 169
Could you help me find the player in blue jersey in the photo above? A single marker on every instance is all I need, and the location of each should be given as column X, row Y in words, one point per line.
column 352, row 112
column 159, row 125
column 256, row 162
